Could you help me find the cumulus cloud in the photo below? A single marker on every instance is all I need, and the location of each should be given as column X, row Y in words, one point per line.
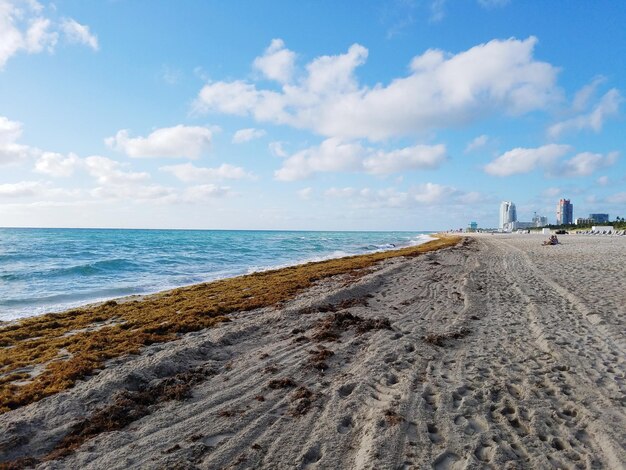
column 188, row 172
column 115, row 183
column 36, row 190
column 246, row 135
column 335, row 155
column 477, row 143
column 586, row 163
column 21, row 189
column 10, row 150
column 524, row 160
column 607, row 107
column 172, row 142
column 277, row 63
column 431, row 194
column 133, row 192
column 409, row 158
column 441, row 90
column 107, row 171
column 57, row 165
column 331, row 155
column 202, row 193
column 79, row 33
column 25, row 28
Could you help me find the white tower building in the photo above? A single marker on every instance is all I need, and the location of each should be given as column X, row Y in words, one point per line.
column 508, row 214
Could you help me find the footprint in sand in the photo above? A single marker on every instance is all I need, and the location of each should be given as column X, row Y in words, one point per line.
column 311, row 456
column 484, row 453
column 433, row 434
column 445, row 461
column 345, row 425
column 430, row 399
column 346, row 390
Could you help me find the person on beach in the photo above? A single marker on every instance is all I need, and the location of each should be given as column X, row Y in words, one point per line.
column 552, row 241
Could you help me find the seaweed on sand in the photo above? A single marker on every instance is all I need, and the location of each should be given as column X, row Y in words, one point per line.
column 72, row 345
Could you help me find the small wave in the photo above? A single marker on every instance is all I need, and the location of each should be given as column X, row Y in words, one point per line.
column 420, row 239
column 89, row 269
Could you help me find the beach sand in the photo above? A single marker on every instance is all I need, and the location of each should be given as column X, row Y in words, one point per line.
column 497, row 353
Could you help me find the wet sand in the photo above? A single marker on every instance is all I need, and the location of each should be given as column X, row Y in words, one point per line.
column 499, row 353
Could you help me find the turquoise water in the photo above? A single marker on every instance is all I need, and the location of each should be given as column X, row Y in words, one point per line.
column 46, row 270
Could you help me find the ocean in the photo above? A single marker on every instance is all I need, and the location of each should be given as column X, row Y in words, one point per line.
column 50, row 270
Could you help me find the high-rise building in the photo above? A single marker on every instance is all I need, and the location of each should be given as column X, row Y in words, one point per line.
column 508, row 213
column 539, row 220
column 599, row 218
column 564, row 212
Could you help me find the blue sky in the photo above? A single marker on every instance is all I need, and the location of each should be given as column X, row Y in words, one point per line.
column 391, row 115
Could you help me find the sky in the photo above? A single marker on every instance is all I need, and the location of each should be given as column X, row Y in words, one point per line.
column 309, row 115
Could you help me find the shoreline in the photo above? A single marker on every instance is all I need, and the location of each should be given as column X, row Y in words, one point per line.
column 497, row 352
column 118, row 327
column 235, row 271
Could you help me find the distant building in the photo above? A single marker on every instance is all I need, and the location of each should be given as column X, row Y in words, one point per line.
column 599, row 218
column 508, row 214
column 584, row 221
column 511, row 226
column 564, row 212
column 472, row 227
column 539, row 221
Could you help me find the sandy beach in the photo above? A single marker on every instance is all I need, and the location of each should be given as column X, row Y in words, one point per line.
column 495, row 353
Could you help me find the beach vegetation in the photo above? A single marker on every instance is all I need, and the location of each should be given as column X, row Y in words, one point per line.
column 44, row 355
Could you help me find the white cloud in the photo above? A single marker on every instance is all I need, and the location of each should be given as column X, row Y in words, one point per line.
column 245, row 135
column 79, row 33
column 525, row 160
column 437, row 10
column 277, row 149
column 618, row 198
column 370, row 198
column 603, row 180
column 586, row 93
column 331, row 155
column 594, row 120
column 409, row 158
column 586, row 163
column 202, row 193
column 173, row 142
column 170, row 75
column 431, row 194
column 188, row 172
column 55, row 164
column 305, row 193
column 38, row 189
column 134, row 192
column 551, row 192
column 107, row 171
column 335, row 155
column 277, row 63
column 477, row 143
column 24, row 28
column 10, row 150
column 441, row 90
column 21, row 189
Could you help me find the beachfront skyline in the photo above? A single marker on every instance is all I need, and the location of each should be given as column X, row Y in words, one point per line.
column 398, row 115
